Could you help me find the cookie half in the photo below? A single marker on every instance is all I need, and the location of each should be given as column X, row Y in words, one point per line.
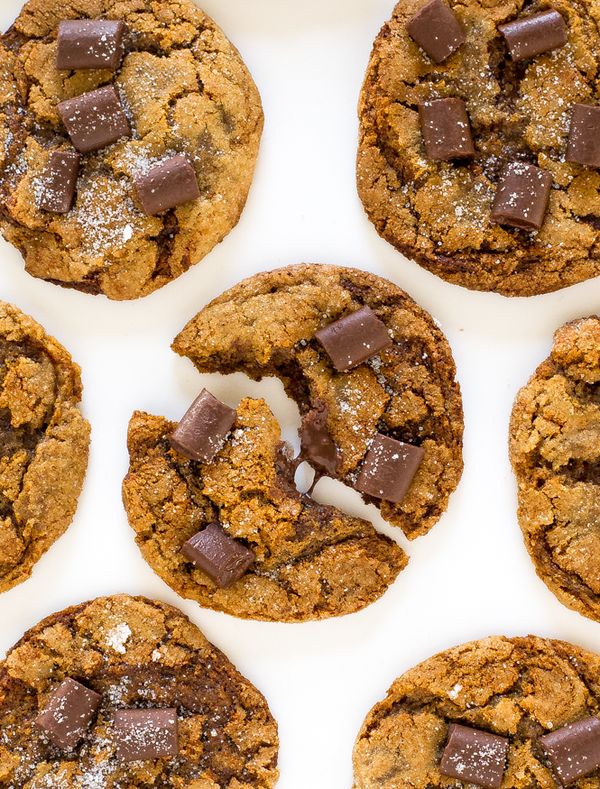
column 267, row 326
column 310, row 561
column 142, row 680
column 44, row 443
column 555, row 451
column 479, row 714
column 432, row 176
column 187, row 119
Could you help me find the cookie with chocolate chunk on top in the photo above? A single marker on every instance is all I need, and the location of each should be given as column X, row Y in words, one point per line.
column 126, row 690
column 167, row 121
column 478, row 141
column 499, row 713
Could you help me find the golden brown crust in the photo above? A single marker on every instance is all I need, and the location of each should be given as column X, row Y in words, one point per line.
column 185, row 89
column 555, row 451
column 136, row 653
column 438, row 213
column 519, row 688
column 44, row 442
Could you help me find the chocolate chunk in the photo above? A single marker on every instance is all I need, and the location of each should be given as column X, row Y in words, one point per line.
column 203, row 428
column 436, row 29
column 169, row 184
column 529, row 36
column 474, row 756
column 68, row 713
column 446, row 129
column 95, row 120
column 584, row 135
column 222, row 558
column 574, row 750
column 146, row 734
column 354, row 339
column 90, row 43
column 317, row 445
column 389, row 469
column 522, row 196
column 60, row 182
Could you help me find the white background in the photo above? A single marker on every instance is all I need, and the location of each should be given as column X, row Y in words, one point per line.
column 471, row 576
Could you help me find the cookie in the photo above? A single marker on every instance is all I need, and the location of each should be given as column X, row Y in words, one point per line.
column 44, row 442
column 477, row 155
column 500, row 712
column 267, row 325
column 554, row 449
column 126, row 691
column 129, row 133
column 213, row 500
column 308, row 561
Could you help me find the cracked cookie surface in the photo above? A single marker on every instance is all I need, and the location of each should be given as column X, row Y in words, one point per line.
column 437, row 213
column 137, row 653
column 519, row 688
column 312, row 561
column 555, row 451
column 185, row 90
column 266, row 325
column 44, row 442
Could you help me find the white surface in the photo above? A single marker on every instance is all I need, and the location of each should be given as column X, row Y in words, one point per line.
column 470, row 577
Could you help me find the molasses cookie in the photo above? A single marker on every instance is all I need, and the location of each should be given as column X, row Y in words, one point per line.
column 212, row 499
column 500, row 712
column 478, row 153
column 555, row 453
column 129, row 133
column 125, row 691
column 44, row 443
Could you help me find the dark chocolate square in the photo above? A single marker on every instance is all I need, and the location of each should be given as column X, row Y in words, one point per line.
column 169, row 184
column 446, row 129
column 573, row 750
column 146, row 734
column 354, row 339
column 90, row 44
column 532, row 35
column 584, row 135
column 60, row 181
column 436, row 29
column 95, row 119
column 474, row 756
column 222, row 558
column 203, row 428
column 68, row 713
column 522, row 196
column 389, row 469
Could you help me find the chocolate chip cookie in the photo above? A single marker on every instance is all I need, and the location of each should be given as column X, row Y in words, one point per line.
column 129, row 132
column 237, row 536
column 479, row 153
column 212, row 499
column 44, row 443
column 555, row 450
column 126, row 692
column 500, row 712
